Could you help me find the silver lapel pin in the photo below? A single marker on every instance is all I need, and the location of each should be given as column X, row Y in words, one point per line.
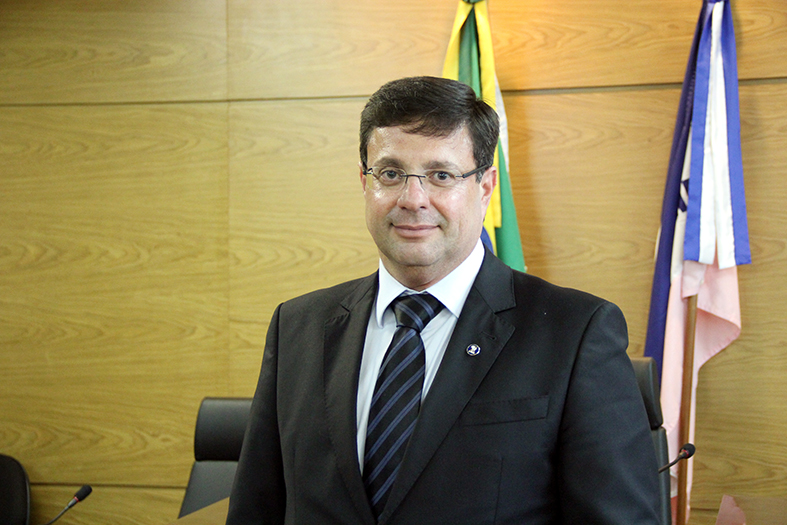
column 473, row 350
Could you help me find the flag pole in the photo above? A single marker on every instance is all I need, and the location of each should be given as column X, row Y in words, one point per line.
column 685, row 407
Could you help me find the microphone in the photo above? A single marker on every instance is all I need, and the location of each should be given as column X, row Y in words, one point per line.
column 686, row 451
column 79, row 496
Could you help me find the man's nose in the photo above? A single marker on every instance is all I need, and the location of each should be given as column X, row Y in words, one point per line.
column 414, row 192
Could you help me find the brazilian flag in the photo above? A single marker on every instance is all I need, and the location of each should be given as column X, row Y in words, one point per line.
column 470, row 60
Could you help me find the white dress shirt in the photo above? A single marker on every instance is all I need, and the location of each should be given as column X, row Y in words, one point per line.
column 452, row 291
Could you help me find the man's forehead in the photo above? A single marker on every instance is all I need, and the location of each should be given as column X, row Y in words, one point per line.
column 424, row 129
column 414, row 130
column 395, row 144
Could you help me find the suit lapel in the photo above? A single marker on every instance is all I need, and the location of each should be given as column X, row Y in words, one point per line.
column 343, row 345
column 459, row 374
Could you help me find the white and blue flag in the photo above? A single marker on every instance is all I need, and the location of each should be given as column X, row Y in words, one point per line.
column 704, row 233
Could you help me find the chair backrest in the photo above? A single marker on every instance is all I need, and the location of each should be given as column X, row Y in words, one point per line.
column 648, row 381
column 221, row 424
column 15, row 493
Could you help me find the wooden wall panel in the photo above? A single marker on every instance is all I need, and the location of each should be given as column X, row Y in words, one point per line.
column 296, row 213
column 742, row 396
column 580, row 43
column 313, row 48
column 541, row 45
column 761, row 37
column 588, row 172
column 72, row 51
column 143, row 247
column 113, row 287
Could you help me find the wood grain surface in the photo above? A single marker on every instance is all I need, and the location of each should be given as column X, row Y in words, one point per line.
column 742, row 395
column 587, row 172
column 107, row 504
column 579, row 43
column 296, row 214
column 114, row 291
column 311, row 48
column 75, row 51
column 171, row 171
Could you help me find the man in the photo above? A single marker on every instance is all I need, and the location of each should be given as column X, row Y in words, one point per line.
column 502, row 398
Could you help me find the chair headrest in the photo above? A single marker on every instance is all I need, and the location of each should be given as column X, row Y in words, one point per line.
column 15, row 493
column 648, row 381
column 221, row 425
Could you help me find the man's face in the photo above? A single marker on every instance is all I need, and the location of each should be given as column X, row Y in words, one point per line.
column 423, row 233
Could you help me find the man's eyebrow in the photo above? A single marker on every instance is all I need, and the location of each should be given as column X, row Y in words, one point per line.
column 441, row 165
column 392, row 162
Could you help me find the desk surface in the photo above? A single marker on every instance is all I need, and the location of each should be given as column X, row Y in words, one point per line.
column 215, row 514
column 754, row 510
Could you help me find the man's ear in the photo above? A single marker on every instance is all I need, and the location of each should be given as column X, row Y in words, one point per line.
column 488, row 183
column 363, row 176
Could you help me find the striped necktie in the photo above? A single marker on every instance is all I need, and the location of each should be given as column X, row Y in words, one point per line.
column 397, row 396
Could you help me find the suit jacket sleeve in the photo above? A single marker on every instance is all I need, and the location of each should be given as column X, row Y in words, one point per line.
column 258, row 493
column 607, row 466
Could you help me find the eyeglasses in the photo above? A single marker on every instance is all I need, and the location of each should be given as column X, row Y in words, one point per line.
column 394, row 178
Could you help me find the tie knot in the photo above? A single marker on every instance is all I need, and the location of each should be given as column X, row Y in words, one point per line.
column 416, row 310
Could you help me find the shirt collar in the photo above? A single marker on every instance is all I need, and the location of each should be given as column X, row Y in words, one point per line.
column 451, row 290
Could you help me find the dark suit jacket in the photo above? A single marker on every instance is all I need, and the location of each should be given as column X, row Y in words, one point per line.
column 545, row 425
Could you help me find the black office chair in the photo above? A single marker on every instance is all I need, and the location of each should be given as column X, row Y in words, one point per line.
column 15, row 493
column 221, row 424
column 648, row 380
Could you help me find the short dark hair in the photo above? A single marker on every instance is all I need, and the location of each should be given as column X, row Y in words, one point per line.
column 432, row 106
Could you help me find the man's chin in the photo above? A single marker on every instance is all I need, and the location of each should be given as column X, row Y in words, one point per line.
column 411, row 256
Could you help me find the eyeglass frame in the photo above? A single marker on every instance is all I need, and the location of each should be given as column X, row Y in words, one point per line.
column 480, row 169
